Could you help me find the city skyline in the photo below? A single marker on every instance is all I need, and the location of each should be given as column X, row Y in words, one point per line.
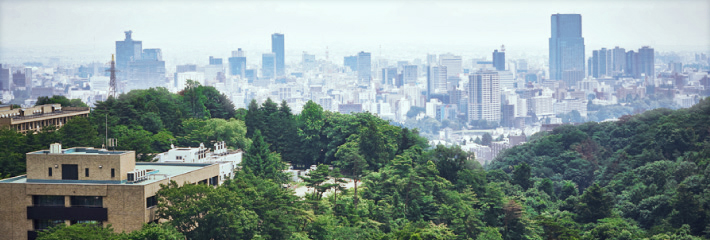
column 389, row 29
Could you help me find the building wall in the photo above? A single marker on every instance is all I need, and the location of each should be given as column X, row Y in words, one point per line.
column 124, row 203
column 38, row 164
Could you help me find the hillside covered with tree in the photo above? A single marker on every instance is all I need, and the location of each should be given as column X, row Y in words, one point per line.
column 643, row 177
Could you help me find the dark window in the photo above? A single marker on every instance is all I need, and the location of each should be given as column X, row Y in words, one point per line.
column 86, row 221
column 70, row 172
column 41, row 224
column 113, row 173
column 87, row 201
column 48, row 201
column 151, row 202
column 50, row 171
column 86, row 172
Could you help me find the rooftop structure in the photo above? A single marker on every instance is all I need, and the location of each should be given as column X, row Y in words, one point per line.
column 228, row 160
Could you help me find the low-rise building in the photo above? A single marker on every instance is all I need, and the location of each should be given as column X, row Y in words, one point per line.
column 37, row 117
column 227, row 159
column 79, row 185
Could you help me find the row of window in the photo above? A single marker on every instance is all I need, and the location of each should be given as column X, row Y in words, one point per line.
column 42, row 224
column 76, row 201
column 86, row 172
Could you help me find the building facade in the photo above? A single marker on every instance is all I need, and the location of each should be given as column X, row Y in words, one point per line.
column 566, row 44
column 484, row 97
column 364, row 68
column 80, row 185
column 37, row 117
column 277, row 47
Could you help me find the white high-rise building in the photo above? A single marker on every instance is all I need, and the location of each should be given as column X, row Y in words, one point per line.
column 452, row 63
column 484, row 96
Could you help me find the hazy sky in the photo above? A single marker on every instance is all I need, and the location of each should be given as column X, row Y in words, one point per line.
column 197, row 29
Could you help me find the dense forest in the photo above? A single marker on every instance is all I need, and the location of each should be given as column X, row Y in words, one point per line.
column 643, row 177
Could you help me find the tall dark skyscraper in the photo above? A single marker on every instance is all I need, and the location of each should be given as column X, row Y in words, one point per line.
column 351, row 62
column 645, row 62
column 140, row 68
column 499, row 60
column 277, row 47
column 4, row 78
column 566, row 44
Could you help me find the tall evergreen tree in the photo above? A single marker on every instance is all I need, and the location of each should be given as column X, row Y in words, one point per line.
column 261, row 162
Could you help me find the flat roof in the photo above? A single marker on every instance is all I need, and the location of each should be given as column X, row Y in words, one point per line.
column 154, row 171
column 83, row 151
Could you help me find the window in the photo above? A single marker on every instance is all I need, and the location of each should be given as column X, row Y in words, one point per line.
column 86, row 172
column 151, row 202
column 86, row 221
column 113, row 173
column 48, row 201
column 87, row 201
column 50, row 171
column 41, row 224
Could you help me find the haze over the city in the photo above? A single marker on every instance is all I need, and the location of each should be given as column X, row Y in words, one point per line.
column 85, row 31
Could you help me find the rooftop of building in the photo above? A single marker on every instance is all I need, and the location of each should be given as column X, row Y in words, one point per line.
column 83, row 151
column 154, row 171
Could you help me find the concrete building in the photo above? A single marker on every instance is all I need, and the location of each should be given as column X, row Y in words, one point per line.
column 499, row 60
column 452, row 64
column 4, row 78
column 79, row 185
column 37, row 117
column 484, row 97
column 227, row 159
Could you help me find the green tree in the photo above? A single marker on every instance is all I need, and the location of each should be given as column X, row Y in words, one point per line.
column 78, row 132
column 487, row 139
column 62, row 100
column 521, row 176
column 594, row 204
column 82, row 231
column 310, row 123
column 261, row 162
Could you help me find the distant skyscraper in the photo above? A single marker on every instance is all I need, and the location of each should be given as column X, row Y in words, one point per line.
column 499, row 60
column 364, row 68
column 350, row 62
column 646, row 61
column 566, row 44
column 140, row 68
column 268, row 65
column 601, row 63
column 452, row 63
column 484, row 97
column 277, row 47
column 431, row 59
column 618, row 59
column 126, row 51
column 182, row 69
column 389, row 75
column 308, row 61
column 410, row 74
column 4, row 78
column 18, row 79
column 632, row 64
column 215, row 61
column 238, row 63
column 436, row 80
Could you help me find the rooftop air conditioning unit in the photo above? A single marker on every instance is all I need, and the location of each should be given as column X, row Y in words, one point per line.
column 137, row 176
